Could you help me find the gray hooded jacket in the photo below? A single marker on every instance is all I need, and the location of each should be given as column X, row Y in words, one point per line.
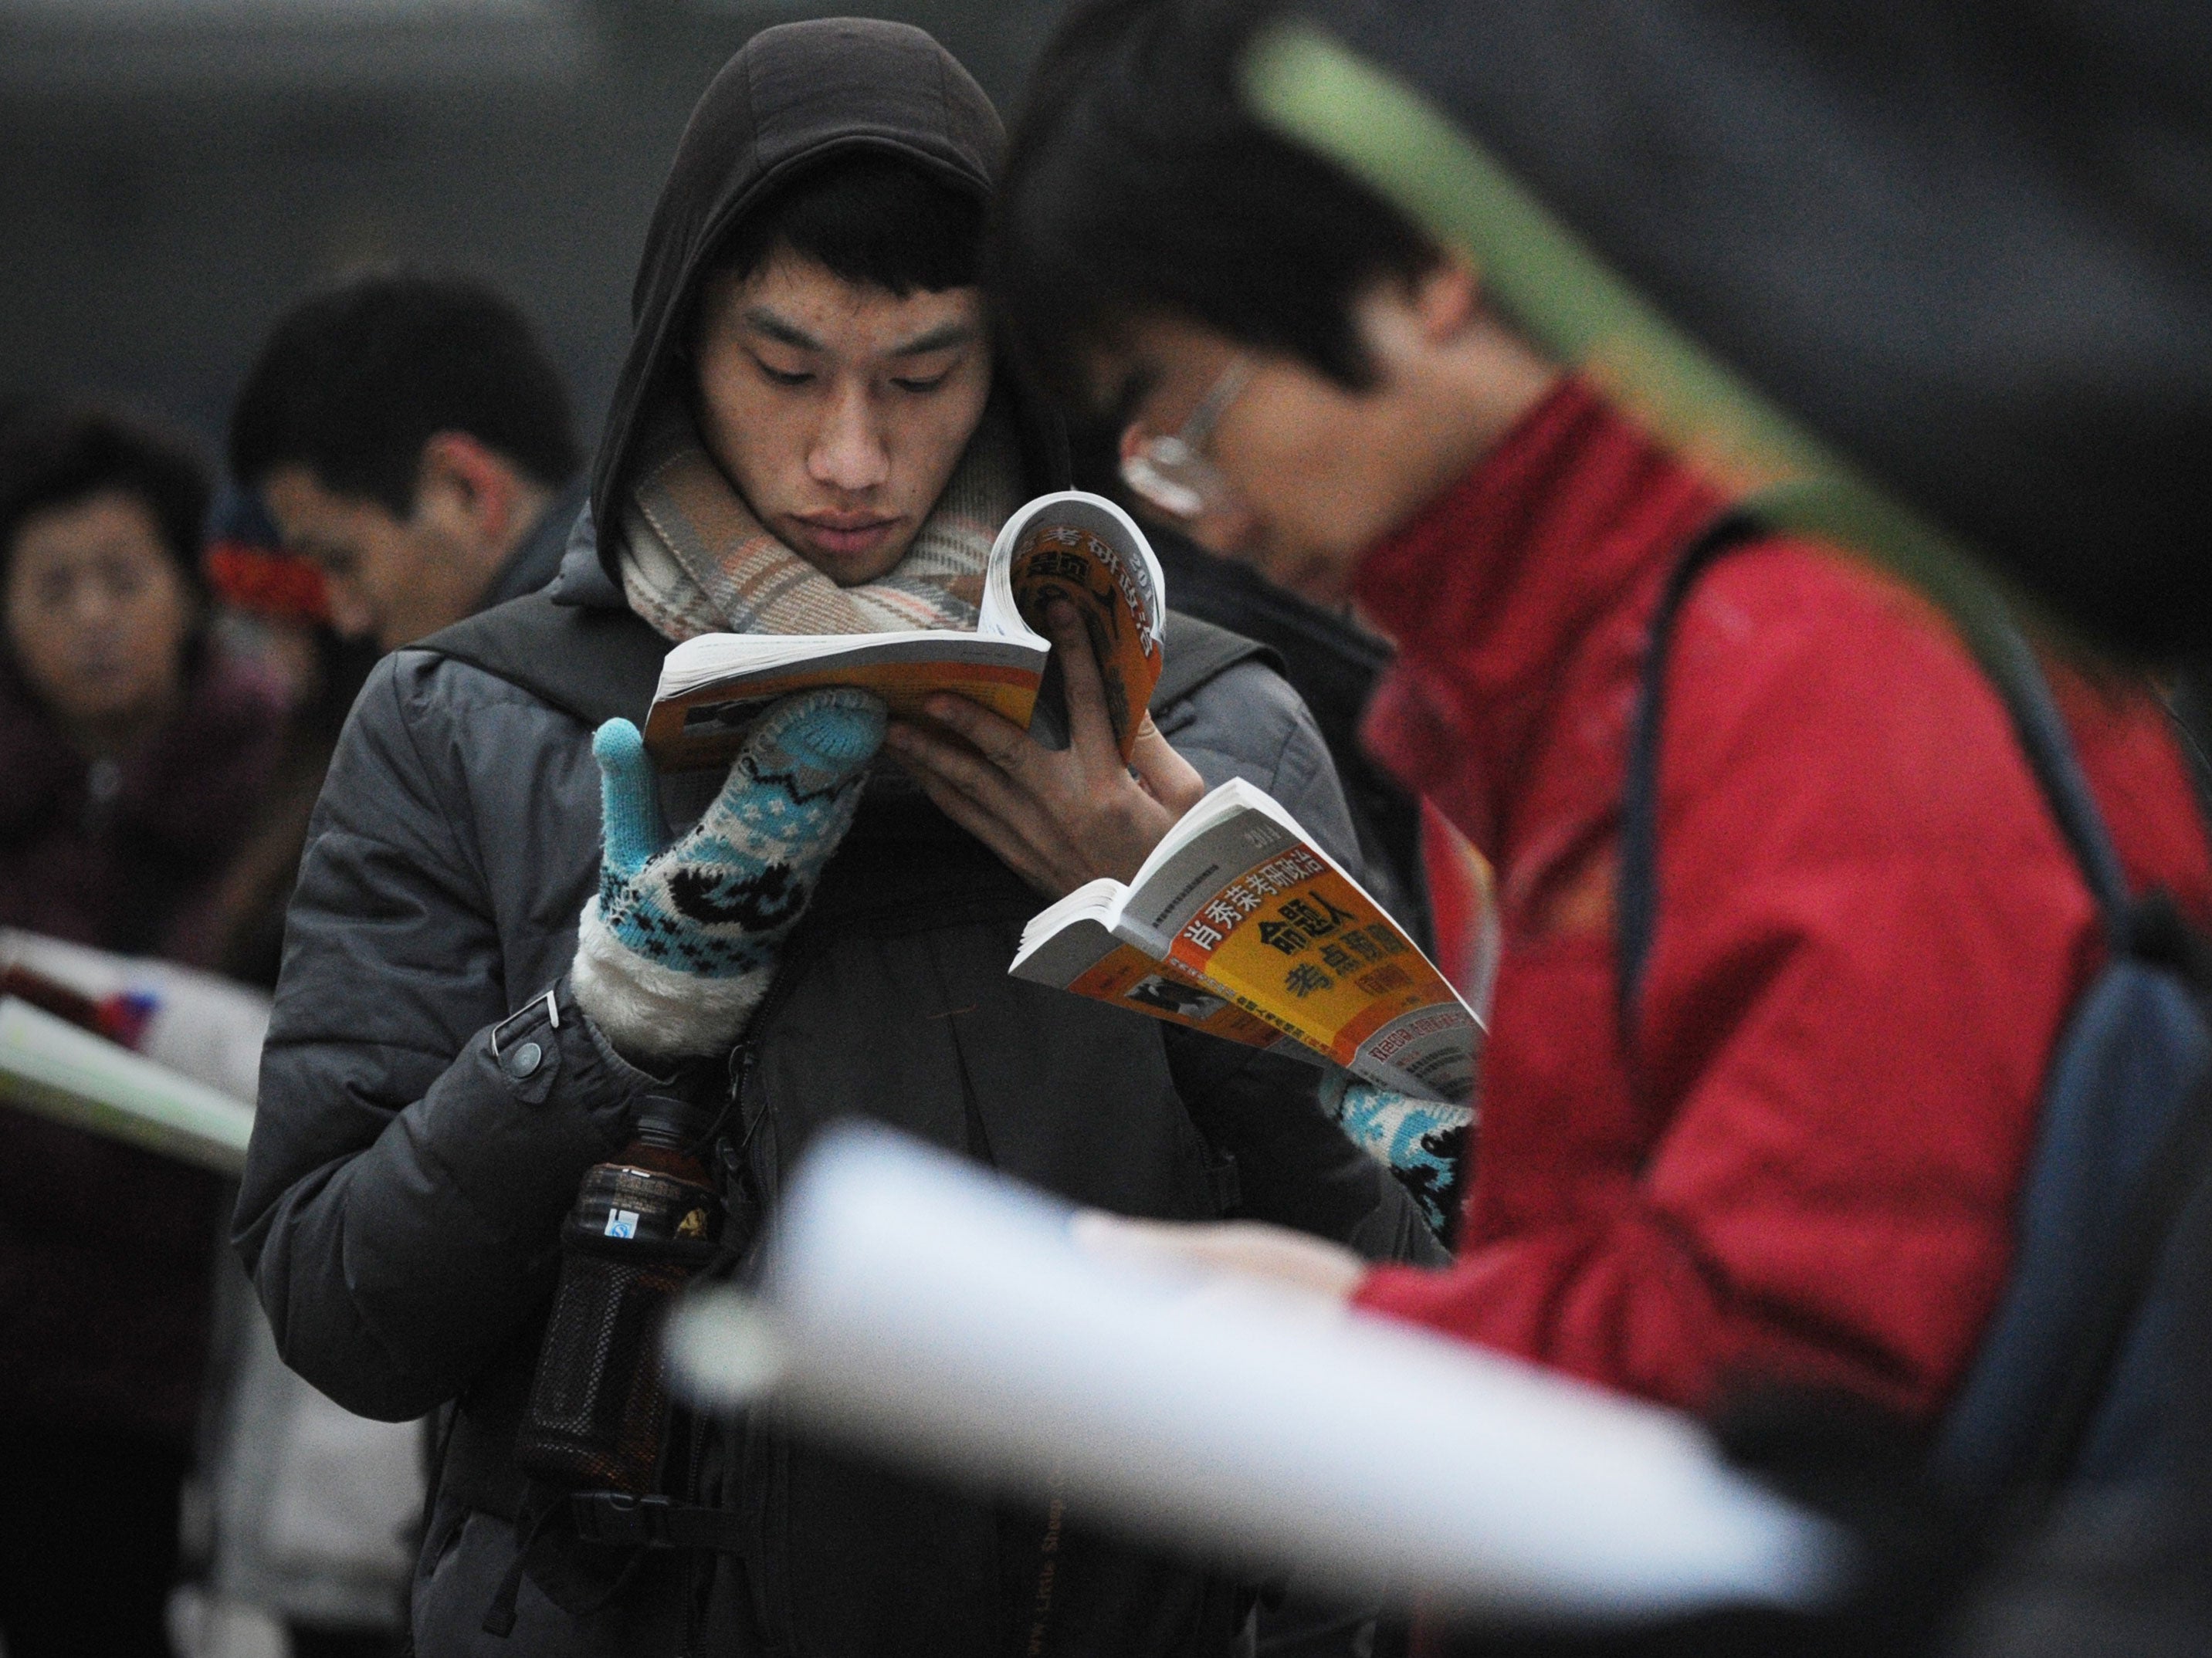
column 407, row 1178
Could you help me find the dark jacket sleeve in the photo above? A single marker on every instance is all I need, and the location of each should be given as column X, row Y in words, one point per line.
column 1295, row 1167
column 404, row 1191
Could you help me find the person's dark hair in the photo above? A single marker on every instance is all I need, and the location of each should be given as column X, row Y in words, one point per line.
column 871, row 218
column 59, row 459
column 1137, row 183
column 356, row 378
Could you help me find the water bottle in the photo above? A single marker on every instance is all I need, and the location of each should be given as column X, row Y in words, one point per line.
column 642, row 1226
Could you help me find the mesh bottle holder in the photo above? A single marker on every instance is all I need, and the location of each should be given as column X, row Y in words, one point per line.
column 599, row 1403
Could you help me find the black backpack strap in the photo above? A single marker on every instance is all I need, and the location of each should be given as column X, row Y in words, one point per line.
column 1635, row 903
column 2008, row 663
column 2049, row 747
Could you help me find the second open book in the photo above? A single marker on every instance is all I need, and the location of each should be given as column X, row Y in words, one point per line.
column 1241, row 925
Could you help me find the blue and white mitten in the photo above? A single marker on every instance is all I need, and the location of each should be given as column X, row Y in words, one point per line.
column 1424, row 1143
column 677, row 949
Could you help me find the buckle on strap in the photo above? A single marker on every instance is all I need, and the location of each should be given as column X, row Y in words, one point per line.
column 620, row 1521
column 516, row 1021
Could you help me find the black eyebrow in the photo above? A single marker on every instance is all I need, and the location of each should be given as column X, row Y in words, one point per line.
column 943, row 337
column 761, row 318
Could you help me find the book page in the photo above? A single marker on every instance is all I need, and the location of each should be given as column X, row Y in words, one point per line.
column 49, row 1068
column 1070, row 946
column 939, row 1314
column 208, row 1027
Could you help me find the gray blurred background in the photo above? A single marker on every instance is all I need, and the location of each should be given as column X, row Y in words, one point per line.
column 172, row 172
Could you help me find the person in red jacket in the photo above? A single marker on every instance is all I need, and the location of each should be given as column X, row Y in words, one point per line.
column 1804, row 1164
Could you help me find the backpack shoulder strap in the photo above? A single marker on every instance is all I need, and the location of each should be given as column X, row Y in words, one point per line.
column 1635, row 903
column 592, row 665
column 2009, row 664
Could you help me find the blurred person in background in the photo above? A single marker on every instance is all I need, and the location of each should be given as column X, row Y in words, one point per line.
column 312, row 1515
column 1802, row 1160
column 498, row 958
column 132, row 757
column 408, row 435
column 273, row 609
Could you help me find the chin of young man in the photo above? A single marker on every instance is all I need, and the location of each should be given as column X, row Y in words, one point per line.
column 1871, row 932
column 498, row 951
column 408, row 433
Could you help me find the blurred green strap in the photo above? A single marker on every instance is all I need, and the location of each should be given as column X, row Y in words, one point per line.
column 1540, row 277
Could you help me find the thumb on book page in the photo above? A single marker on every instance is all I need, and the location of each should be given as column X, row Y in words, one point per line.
column 631, row 827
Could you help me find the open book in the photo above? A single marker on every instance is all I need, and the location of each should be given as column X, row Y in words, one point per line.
column 1070, row 545
column 1240, row 925
column 940, row 1315
column 186, row 1092
column 51, row 1067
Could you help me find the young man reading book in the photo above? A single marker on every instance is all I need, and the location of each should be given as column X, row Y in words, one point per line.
column 1803, row 1162
column 488, row 977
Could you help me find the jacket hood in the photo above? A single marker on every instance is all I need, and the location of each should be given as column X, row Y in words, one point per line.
column 793, row 95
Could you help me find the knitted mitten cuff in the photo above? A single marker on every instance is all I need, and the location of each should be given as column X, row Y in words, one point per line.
column 651, row 1011
column 1425, row 1143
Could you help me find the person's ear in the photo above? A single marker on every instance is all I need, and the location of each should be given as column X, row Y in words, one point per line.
column 461, row 483
column 1446, row 298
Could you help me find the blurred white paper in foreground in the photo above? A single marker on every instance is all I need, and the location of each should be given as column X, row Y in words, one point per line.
column 925, row 1308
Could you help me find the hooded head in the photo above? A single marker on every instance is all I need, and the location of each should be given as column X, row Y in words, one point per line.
column 837, row 96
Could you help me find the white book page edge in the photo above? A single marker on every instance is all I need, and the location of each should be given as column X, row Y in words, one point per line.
column 933, row 1313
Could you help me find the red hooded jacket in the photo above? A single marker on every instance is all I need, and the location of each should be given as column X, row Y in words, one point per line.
column 1869, row 933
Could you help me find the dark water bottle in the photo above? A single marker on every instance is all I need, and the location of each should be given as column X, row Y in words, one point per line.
column 642, row 1226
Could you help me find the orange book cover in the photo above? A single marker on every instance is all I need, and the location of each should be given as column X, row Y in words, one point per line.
column 1070, row 545
column 1080, row 954
column 1238, row 901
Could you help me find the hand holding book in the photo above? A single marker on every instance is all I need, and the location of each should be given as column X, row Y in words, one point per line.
column 1058, row 817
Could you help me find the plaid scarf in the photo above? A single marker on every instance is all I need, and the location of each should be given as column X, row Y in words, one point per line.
column 695, row 559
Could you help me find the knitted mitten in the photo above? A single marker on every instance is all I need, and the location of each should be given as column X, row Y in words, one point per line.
column 677, row 949
column 1423, row 1142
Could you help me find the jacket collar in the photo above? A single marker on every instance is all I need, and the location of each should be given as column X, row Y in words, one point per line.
column 537, row 557
column 1560, row 535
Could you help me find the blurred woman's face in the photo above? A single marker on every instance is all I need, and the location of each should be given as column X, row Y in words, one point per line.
column 98, row 615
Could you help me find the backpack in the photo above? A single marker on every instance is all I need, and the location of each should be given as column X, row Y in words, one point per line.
column 2077, row 1381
